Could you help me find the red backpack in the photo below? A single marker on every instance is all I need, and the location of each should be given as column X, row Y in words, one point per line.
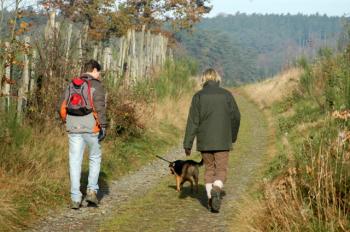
column 79, row 102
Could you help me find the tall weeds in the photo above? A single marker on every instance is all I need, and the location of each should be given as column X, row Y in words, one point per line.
column 313, row 193
column 312, row 190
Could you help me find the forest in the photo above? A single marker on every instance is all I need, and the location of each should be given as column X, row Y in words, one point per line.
column 246, row 47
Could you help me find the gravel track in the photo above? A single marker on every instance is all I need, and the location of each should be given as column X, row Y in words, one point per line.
column 162, row 208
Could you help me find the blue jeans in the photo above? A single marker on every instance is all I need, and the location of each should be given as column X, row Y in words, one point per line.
column 77, row 143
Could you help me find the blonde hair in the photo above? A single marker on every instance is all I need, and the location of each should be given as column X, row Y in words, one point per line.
column 210, row 75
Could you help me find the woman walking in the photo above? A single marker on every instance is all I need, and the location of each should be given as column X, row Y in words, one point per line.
column 214, row 119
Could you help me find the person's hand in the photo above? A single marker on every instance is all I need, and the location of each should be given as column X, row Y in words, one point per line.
column 187, row 152
column 102, row 134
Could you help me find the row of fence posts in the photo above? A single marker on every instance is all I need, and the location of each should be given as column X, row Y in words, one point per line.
column 132, row 58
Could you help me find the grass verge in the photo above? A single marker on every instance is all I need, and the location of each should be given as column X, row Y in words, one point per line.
column 307, row 184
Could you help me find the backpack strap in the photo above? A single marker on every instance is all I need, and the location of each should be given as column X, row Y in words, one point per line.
column 90, row 95
column 93, row 107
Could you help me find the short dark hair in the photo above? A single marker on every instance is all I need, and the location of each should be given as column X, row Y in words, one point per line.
column 90, row 65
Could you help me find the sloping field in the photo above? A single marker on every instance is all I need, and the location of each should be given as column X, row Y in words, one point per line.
column 271, row 90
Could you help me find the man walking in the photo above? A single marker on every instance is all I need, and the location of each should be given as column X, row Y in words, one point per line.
column 214, row 119
column 83, row 108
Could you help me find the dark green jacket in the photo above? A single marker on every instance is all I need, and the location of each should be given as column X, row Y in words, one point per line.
column 214, row 118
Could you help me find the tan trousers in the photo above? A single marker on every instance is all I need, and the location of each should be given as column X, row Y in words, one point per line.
column 216, row 165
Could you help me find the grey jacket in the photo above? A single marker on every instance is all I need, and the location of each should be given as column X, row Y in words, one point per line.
column 92, row 122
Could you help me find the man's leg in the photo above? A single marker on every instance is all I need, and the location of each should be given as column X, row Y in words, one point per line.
column 221, row 166
column 94, row 161
column 209, row 173
column 76, row 151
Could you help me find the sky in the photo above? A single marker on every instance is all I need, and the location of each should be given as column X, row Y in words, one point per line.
column 329, row 7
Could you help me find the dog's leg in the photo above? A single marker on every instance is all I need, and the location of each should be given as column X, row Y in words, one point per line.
column 196, row 182
column 182, row 182
column 196, row 178
column 178, row 181
column 191, row 184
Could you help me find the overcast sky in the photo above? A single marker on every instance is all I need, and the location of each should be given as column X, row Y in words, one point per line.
column 329, row 7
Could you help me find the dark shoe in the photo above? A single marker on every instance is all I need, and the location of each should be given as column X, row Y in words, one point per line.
column 210, row 204
column 91, row 197
column 75, row 205
column 215, row 199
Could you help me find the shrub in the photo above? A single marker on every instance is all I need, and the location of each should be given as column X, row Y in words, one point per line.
column 123, row 115
column 130, row 104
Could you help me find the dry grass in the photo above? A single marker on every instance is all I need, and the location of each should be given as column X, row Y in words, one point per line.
column 314, row 196
column 267, row 92
column 312, row 193
column 7, row 211
column 35, row 182
column 169, row 111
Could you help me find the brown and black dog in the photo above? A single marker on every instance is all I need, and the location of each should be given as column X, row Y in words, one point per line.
column 185, row 170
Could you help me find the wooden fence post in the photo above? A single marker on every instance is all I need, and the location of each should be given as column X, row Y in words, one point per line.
column 80, row 51
column 24, row 85
column 95, row 52
column 141, row 52
column 51, row 33
column 26, row 74
column 107, row 57
column 32, row 72
column 6, row 86
column 127, row 58
column 50, row 26
column 148, row 53
column 69, row 37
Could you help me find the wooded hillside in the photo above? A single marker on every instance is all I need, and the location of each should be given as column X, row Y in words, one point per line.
column 250, row 47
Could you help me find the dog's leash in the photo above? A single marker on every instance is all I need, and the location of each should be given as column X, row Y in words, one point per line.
column 163, row 159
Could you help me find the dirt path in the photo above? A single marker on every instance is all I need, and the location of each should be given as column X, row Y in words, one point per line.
column 147, row 201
